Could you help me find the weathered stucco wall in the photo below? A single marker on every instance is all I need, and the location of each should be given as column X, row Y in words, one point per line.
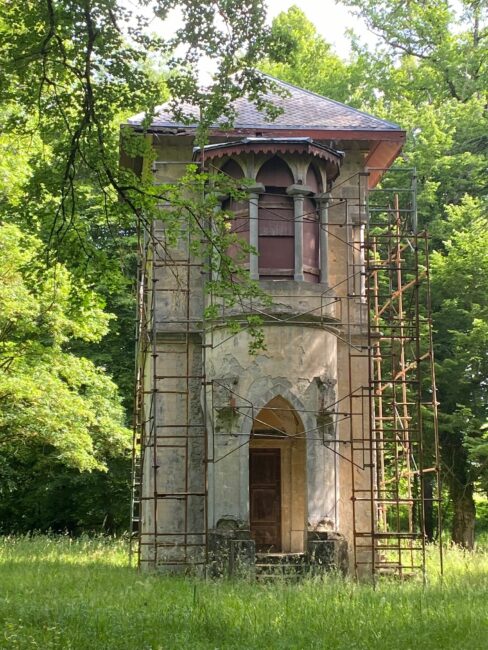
column 306, row 361
column 297, row 364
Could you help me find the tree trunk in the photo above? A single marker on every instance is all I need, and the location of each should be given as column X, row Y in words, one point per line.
column 464, row 517
column 458, row 477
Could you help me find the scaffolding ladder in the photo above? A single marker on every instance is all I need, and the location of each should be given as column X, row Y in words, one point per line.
column 400, row 447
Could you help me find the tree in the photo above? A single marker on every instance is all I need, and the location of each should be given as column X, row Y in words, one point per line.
column 71, row 72
column 460, row 291
column 299, row 55
column 57, row 409
column 75, row 68
column 86, row 69
column 436, row 62
column 449, row 46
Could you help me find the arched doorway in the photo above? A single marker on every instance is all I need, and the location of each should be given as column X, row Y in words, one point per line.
column 277, row 479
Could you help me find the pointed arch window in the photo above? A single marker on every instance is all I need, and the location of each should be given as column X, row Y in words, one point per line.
column 281, row 219
column 276, row 222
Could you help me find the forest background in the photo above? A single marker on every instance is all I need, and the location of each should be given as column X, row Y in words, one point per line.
column 72, row 71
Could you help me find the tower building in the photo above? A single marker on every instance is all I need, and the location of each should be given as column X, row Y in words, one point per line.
column 244, row 460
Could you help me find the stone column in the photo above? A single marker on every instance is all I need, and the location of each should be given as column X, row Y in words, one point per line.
column 323, row 201
column 298, row 210
column 298, row 192
column 254, row 192
column 220, row 198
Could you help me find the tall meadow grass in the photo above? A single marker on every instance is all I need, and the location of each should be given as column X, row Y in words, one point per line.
column 80, row 594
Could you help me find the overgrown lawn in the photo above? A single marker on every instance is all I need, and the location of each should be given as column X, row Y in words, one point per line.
column 59, row 593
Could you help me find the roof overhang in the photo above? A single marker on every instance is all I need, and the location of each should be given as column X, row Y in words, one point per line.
column 394, row 135
column 384, row 145
column 380, row 158
column 314, row 134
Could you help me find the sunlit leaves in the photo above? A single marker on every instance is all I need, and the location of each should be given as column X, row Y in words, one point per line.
column 49, row 397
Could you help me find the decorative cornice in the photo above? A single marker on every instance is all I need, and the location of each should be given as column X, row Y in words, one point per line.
column 273, row 146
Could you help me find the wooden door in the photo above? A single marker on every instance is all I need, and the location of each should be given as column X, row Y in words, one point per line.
column 265, row 498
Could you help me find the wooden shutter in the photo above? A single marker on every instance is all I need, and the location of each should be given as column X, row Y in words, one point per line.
column 276, row 235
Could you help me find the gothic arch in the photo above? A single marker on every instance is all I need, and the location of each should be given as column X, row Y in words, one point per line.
column 276, row 221
column 278, row 418
column 232, row 167
column 276, row 162
column 260, row 400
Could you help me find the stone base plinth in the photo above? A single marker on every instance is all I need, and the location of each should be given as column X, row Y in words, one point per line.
column 327, row 551
column 231, row 553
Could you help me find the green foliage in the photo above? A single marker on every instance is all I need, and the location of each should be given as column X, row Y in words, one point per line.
column 38, row 494
column 460, row 291
column 302, row 57
column 449, row 47
column 434, row 83
column 71, row 73
column 61, row 420
column 50, row 397
column 482, row 511
column 100, row 602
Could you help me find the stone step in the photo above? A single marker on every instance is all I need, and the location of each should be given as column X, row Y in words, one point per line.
column 287, row 566
column 280, row 558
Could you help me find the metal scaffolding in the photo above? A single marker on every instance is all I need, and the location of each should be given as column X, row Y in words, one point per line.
column 382, row 307
column 161, row 274
column 402, row 445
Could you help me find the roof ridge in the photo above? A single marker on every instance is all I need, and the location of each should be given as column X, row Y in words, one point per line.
column 334, row 101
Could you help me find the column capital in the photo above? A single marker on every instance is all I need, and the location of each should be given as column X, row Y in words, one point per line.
column 323, row 197
column 299, row 190
column 255, row 188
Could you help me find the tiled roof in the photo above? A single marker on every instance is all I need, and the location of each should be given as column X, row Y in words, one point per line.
column 301, row 110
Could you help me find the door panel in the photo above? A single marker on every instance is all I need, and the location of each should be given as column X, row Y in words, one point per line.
column 265, row 498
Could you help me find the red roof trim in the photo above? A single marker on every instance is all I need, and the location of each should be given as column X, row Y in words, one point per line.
column 380, row 158
column 272, row 147
column 319, row 134
column 315, row 134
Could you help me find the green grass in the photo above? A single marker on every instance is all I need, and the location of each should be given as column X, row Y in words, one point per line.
column 59, row 593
